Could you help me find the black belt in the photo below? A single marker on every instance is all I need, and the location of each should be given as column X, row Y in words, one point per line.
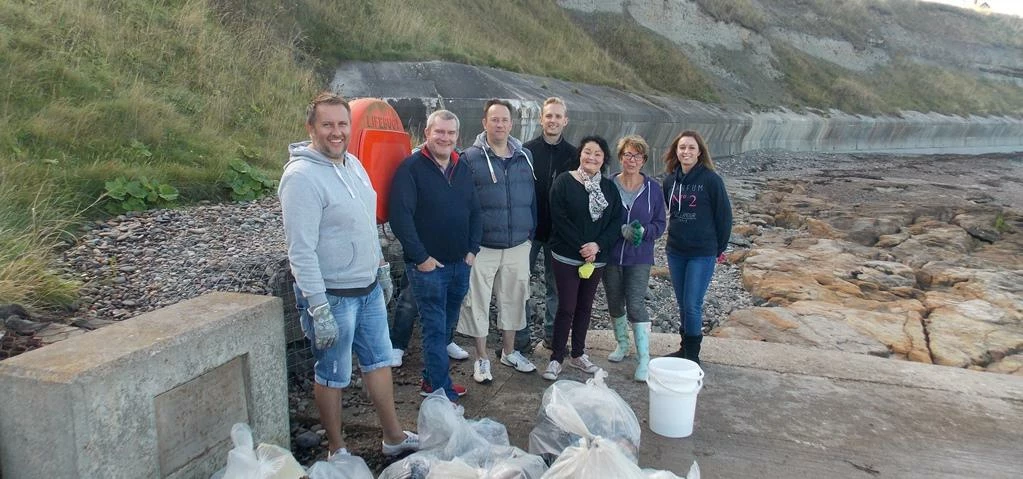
column 352, row 292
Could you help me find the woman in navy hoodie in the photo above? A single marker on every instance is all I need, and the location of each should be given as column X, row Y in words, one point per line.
column 699, row 223
column 628, row 270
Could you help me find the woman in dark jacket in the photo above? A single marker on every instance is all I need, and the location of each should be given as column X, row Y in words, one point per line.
column 699, row 224
column 586, row 214
column 628, row 272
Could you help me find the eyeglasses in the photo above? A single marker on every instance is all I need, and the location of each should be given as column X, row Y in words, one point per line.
column 633, row 156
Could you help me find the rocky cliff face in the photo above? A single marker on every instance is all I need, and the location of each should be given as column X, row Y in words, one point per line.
column 741, row 47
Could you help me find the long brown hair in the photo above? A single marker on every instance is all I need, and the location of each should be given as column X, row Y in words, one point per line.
column 671, row 162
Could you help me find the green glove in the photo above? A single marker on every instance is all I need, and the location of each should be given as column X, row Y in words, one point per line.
column 637, row 232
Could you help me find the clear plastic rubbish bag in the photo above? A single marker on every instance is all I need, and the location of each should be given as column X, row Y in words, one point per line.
column 694, row 473
column 491, row 431
column 595, row 458
column 571, row 411
column 265, row 462
column 443, row 429
column 341, row 466
column 451, row 447
column 500, row 462
column 599, row 458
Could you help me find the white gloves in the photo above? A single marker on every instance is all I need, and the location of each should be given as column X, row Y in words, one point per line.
column 324, row 326
column 384, row 278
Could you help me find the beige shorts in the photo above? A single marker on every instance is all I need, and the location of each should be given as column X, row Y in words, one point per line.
column 501, row 272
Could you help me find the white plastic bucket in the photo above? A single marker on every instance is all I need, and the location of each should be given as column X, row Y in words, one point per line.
column 674, row 384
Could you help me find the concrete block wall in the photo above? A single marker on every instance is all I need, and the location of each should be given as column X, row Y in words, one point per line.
column 152, row 396
column 417, row 88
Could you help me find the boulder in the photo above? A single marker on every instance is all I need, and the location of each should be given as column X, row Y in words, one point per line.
column 964, row 333
column 887, row 330
column 979, row 226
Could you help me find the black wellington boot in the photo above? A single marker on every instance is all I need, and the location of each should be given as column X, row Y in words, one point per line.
column 681, row 353
column 691, row 348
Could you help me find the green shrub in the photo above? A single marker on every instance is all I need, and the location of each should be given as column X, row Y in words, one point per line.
column 247, row 183
column 138, row 195
column 1000, row 224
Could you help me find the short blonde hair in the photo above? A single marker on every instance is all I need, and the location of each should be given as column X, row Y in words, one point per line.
column 554, row 100
column 637, row 143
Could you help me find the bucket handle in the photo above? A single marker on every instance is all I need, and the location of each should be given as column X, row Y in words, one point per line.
column 676, row 374
column 654, row 379
column 684, row 375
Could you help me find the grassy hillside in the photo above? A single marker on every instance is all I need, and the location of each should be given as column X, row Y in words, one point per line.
column 527, row 36
column 173, row 91
column 94, row 90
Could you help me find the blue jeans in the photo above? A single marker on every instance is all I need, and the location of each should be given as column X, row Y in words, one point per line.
column 362, row 329
column 522, row 336
column 406, row 311
column 439, row 294
column 690, row 277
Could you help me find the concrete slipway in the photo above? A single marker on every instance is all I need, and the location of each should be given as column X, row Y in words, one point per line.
column 778, row 411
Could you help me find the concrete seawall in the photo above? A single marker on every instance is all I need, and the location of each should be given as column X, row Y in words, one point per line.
column 417, row 88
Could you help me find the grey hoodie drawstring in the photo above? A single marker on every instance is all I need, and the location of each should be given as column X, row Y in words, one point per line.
column 493, row 176
column 342, row 177
column 365, row 182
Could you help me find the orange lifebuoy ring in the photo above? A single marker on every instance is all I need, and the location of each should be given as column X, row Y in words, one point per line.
column 381, row 143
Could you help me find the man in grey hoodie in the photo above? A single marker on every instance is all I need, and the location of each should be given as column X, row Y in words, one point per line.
column 341, row 280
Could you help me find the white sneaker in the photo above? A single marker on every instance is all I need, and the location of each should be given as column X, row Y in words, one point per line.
column 456, row 352
column 517, row 361
column 552, row 372
column 583, row 362
column 396, row 356
column 481, row 371
column 338, row 453
column 410, row 443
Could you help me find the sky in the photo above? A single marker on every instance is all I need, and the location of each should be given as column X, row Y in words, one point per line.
column 1010, row 7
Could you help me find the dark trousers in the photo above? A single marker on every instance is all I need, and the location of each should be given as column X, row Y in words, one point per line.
column 406, row 311
column 575, row 304
column 626, row 288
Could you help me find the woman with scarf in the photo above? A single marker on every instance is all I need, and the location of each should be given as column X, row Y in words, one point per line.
column 628, row 272
column 586, row 212
column 699, row 224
